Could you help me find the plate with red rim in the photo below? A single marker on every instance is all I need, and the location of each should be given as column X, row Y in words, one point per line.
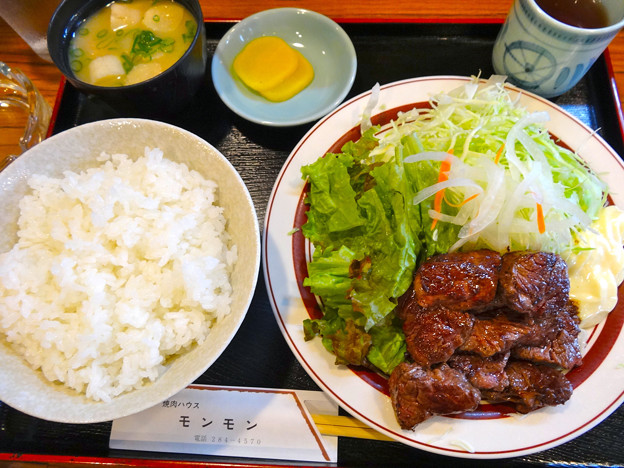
column 491, row 431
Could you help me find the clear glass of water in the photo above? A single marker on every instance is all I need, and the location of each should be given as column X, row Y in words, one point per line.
column 22, row 105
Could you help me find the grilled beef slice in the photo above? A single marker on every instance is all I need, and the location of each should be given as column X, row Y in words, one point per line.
column 460, row 280
column 418, row 393
column 532, row 386
column 484, row 373
column 553, row 339
column 533, row 283
column 432, row 335
column 494, row 335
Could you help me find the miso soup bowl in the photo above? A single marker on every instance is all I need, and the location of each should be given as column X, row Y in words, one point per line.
column 169, row 91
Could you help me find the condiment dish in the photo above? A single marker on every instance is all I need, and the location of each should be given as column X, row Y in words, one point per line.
column 322, row 42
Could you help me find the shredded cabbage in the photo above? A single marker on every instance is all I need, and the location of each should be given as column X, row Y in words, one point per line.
column 509, row 185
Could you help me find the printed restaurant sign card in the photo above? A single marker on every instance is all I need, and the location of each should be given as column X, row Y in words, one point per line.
column 232, row 421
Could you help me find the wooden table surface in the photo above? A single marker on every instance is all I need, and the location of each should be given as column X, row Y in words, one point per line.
column 46, row 77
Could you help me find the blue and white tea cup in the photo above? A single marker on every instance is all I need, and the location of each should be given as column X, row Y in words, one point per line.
column 546, row 56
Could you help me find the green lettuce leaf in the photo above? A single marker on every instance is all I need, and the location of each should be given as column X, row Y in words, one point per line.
column 388, row 346
column 366, row 246
column 331, row 197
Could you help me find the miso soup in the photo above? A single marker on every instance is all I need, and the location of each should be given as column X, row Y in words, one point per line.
column 130, row 41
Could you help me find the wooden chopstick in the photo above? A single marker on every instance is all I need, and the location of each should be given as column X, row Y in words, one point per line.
column 346, row 426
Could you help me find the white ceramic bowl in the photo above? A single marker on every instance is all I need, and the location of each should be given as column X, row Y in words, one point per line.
column 323, row 42
column 25, row 389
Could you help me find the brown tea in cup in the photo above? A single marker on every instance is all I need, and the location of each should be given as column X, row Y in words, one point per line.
column 580, row 13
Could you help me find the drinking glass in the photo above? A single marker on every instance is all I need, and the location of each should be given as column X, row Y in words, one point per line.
column 22, row 104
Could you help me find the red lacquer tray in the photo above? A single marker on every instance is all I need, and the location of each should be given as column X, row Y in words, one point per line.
column 386, row 51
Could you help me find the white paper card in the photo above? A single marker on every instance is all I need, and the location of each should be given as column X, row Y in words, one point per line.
column 232, row 421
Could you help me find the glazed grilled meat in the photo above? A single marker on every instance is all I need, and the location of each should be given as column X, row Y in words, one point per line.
column 494, row 335
column 532, row 386
column 460, row 281
column 417, row 393
column 484, row 373
column 534, row 283
column 478, row 324
column 553, row 339
column 432, row 335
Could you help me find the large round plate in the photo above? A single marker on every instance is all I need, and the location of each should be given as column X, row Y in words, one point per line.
column 490, row 433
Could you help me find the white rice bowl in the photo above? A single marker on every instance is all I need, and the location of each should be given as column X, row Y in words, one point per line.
column 78, row 149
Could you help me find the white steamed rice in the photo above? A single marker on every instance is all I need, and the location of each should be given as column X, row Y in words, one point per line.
column 115, row 269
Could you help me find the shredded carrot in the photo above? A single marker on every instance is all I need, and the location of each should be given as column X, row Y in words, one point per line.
column 463, row 202
column 541, row 224
column 445, row 167
column 499, row 153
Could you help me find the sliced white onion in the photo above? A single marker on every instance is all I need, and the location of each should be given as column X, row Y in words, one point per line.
column 430, row 156
column 433, row 189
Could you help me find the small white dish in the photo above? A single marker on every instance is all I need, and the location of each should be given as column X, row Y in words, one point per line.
column 323, row 42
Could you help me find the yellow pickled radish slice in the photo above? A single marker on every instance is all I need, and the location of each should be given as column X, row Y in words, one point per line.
column 301, row 77
column 265, row 62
